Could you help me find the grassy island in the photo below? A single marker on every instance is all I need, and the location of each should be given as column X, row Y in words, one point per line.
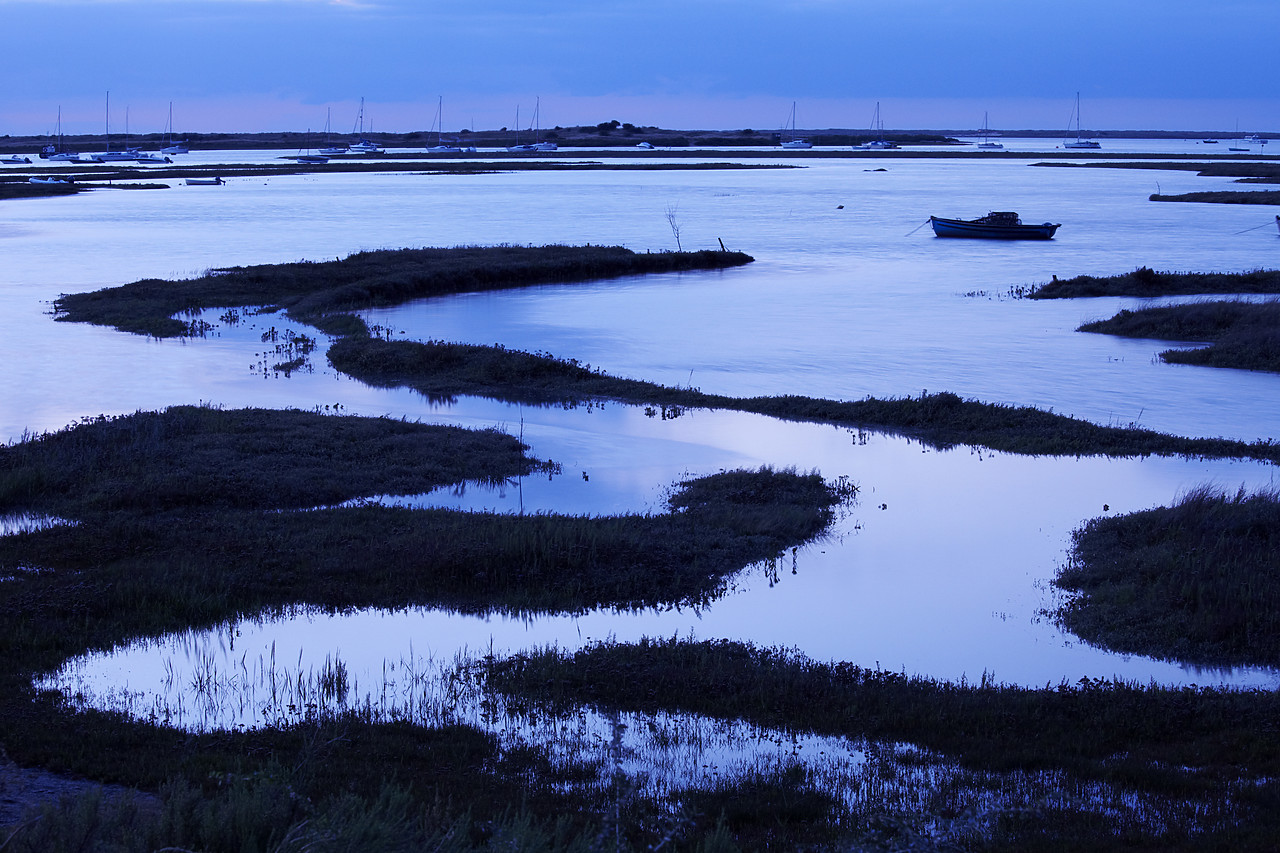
column 943, row 419
column 1147, row 282
column 1197, row 581
column 1241, row 335
column 314, row 292
column 1224, row 197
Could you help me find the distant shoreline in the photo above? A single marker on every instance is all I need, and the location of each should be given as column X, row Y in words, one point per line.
column 583, row 137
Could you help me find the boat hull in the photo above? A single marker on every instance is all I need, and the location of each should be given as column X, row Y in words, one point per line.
column 987, row 231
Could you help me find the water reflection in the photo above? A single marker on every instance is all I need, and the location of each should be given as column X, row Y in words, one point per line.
column 13, row 523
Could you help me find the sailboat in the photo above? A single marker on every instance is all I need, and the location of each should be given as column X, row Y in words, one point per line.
column 536, row 128
column 171, row 147
column 54, row 151
column 441, row 147
column 364, row 146
column 986, row 137
column 879, row 143
column 1080, row 141
column 329, row 149
column 140, row 156
column 792, row 142
column 110, row 156
column 1241, row 144
column 308, row 157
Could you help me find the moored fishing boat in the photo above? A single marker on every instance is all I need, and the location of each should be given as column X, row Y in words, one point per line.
column 996, row 225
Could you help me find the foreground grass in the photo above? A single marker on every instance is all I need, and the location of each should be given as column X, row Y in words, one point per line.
column 1171, row 744
column 1197, row 581
column 1241, row 335
column 323, row 292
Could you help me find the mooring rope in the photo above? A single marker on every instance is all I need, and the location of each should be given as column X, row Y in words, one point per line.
column 1256, row 227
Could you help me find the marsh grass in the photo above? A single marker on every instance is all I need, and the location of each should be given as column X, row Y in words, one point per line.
column 1178, row 767
column 1197, row 581
column 1146, row 282
column 14, row 190
column 195, row 516
column 247, row 459
column 1270, row 197
column 1241, row 335
column 190, row 516
column 442, row 370
column 1085, row 766
column 313, row 292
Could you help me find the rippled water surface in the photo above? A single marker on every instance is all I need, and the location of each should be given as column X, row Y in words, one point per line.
column 942, row 566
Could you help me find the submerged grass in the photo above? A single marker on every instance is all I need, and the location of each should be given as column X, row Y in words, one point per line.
column 1198, row 581
column 1241, row 335
column 312, row 291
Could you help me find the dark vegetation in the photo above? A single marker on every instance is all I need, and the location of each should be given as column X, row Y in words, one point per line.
column 1159, row 745
column 941, row 419
column 201, row 512
column 1197, row 581
column 1145, row 281
column 196, row 515
column 1096, row 729
column 30, row 190
column 165, row 541
column 1241, row 335
column 1224, row 197
column 323, row 294
column 311, row 291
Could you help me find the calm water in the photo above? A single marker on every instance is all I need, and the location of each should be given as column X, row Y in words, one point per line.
column 942, row 566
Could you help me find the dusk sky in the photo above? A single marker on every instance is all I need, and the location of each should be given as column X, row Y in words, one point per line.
column 271, row 65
